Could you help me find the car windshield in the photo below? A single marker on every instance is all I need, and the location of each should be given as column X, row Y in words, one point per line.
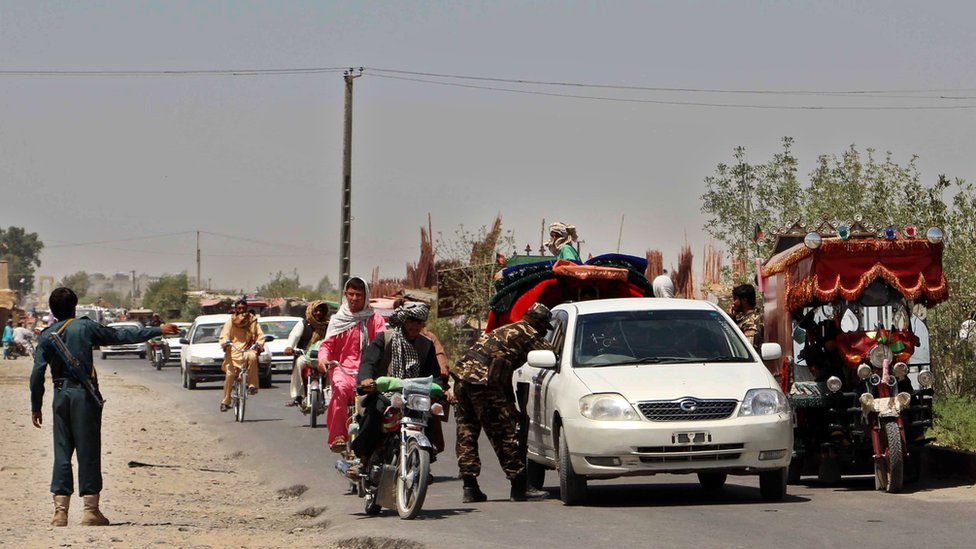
column 207, row 333
column 278, row 328
column 656, row 337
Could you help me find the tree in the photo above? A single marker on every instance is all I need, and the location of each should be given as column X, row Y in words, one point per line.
column 841, row 188
column 22, row 250
column 327, row 290
column 167, row 294
column 465, row 269
column 283, row 285
column 78, row 282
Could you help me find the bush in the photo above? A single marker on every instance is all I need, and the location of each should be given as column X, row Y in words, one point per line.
column 955, row 422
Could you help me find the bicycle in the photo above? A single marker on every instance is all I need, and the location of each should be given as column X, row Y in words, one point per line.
column 238, row 395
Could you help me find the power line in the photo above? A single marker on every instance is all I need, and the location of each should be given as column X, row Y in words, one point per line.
column 666, row 89
column 681, row 103
column 203, row 72
column 266, row 243
column 129, row 239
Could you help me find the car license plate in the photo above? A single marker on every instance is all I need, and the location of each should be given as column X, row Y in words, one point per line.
column 690, row 437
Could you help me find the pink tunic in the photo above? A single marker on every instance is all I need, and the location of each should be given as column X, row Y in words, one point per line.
column 346, row 347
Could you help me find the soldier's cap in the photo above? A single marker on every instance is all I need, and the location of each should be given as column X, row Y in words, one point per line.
column 539, row 314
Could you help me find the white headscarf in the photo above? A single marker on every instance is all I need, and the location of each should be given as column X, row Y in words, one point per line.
column 566, row 234
column 345, row 320
column 663, row 286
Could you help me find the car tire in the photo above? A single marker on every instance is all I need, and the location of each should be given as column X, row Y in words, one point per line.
column 535, row 474
column 712, row 482
column 142, row 356
column 572, row 487
column 772, row 484
column 191, row 383
column 265, row 382
column 183, row 376
column 104, row 356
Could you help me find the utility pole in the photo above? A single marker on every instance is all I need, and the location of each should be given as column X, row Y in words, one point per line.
column 620, row 235
column 199, row 283
column 345, row 251
column 132, row 297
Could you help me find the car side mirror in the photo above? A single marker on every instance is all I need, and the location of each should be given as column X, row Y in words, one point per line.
column 184, row 341
column 771, row 351
column 542, row 359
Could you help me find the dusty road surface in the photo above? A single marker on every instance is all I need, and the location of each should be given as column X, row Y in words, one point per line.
column 194, row 494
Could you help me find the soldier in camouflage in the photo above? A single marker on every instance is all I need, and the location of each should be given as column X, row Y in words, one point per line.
column 746, row 315
column 484, row 399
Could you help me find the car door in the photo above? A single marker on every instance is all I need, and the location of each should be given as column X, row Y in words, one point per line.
column 540, row 399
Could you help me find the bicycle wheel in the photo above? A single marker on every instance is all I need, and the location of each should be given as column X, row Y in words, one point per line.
column 240, row 388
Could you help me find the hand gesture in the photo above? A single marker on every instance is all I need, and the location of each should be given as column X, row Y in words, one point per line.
column 170, row 329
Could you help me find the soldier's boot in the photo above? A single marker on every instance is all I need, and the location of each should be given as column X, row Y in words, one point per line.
column 472, row 492
column 522, row 492
column 60, row 510
column 92, row 516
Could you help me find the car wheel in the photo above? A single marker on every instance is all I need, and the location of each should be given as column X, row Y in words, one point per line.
column 265, row 382
column 191, row 383
column 183, row 376
column 142, row 356
column 104, row 356
column 772, row 484
column 712, row 482
column 572, row 487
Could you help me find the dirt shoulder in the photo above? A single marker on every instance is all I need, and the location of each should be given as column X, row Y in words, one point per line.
column 195, row 495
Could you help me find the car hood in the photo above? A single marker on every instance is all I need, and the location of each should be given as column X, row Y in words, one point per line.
column 204, row 350
column 672, row 381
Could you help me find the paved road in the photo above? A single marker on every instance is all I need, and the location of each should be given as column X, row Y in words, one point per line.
column 665, row 511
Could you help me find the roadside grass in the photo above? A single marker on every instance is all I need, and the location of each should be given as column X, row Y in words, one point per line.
column 955, row 422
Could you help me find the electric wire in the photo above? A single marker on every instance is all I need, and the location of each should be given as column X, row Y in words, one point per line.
column 201, row 72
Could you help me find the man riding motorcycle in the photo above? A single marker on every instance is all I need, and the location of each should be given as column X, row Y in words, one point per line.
column 316, row 324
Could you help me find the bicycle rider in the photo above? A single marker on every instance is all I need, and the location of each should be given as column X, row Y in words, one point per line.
column 242, row 341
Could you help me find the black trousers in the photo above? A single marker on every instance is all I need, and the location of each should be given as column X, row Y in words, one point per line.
column 77, row 428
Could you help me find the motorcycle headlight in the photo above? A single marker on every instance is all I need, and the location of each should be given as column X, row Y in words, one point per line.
column 421, row 403
column 396, row 400
column 763, row 402
column 900, row 370
column 925, row 378
column 863, row 371
column 607, row 407
column 878, row 354
column 834, row 384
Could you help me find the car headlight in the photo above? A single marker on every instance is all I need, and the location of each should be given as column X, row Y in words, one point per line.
column 763, row 402
column 198, row 359
column 607, row 407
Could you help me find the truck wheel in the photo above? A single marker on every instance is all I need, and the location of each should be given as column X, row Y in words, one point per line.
column 895, row 459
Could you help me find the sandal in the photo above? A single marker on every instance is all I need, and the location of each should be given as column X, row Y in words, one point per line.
column 338, row 445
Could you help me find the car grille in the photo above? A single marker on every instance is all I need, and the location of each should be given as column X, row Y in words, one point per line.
column 671, row 410
column 690, row 458
column 688, row 448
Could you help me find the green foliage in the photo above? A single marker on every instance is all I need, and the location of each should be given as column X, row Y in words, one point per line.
column 955, row 422
column 106, row 299
column 191, row 310
column 283, row 285
column 327, row 290
column 841, row 188
column 78, row 282
column 447, row 334
column 465, row 267
column 22, row 250
column 167, row 294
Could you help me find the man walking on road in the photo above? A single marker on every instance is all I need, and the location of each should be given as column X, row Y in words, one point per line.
column 8, row 338
column 484, row 399
column 77, row 408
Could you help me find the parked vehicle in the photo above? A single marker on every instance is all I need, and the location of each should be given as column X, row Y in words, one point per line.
column 173, row 342
column 202, row 356
column 127, row 348
column 282, row 328
column 848, row 303
column 398, row 472
column 648, row 386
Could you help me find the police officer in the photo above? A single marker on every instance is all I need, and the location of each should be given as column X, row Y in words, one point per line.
column 485, row 399
column 77, row 410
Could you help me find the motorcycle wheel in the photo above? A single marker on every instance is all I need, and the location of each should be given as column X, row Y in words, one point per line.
column 889, row 473
column 411, row 491
column 313, row 408
column 158, row 360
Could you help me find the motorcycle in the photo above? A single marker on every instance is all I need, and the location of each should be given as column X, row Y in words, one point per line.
column 157, row 353
column 317, row 392
column 18, row 350
column 398, row 472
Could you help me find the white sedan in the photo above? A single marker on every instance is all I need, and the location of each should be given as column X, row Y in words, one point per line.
column 648, row 386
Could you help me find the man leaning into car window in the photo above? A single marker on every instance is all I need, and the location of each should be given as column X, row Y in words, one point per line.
column 484, row 399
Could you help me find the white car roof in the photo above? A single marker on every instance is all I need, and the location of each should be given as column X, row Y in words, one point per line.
column 124, row 324
column 212, row 319
column 638, row 304
column 278, row 318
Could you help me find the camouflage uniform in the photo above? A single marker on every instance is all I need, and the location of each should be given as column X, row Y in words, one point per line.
column 484, row 398
column 751, row 324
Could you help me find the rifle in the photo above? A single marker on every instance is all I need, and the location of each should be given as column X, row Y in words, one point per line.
column 73, row 368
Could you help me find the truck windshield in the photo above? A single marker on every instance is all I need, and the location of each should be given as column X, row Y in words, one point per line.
column 656, row 337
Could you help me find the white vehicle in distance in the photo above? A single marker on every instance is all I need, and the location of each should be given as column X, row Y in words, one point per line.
column 126, row 348
column 173, row 342
column 647, row 386
column 202, row 357
column 282, row 328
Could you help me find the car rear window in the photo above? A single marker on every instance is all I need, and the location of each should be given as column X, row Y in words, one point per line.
column 656, row 337
column 278, row 328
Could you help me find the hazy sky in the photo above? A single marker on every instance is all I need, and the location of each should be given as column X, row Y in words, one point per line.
column 101, row 158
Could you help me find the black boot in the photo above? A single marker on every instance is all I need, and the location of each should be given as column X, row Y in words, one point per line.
column 522, row 492
column 471, row 492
